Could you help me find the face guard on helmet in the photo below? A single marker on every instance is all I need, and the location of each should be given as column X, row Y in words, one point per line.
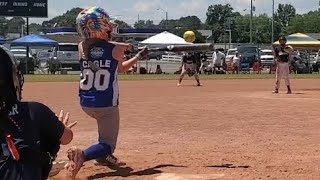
column 11, row 79
column 282, row 40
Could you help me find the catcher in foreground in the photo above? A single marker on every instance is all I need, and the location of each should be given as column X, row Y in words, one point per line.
column 31, row 133
column 282, row 55
column 189, row 66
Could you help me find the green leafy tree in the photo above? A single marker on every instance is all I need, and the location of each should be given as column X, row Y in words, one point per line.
column 192, row 22
column 68, row 19
column 122, row 24
column 183, row 24
column 35, row 28
column 262, row 29
column 285, row 13
column 306, row 23
column 16, row 24
column 3, row 26
column 217, row 17
column 148, row 24
column 241, row 31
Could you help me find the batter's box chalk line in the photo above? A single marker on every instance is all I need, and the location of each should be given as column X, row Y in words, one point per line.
column 281, row 95
column 172, row 176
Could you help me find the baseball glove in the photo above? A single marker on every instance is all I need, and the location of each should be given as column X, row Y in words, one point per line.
column 288, row 49
column 190, row 72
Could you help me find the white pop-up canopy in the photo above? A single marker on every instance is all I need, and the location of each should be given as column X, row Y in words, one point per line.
column 164, row 38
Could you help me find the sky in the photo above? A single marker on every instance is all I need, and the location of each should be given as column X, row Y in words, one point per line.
column 128, row 10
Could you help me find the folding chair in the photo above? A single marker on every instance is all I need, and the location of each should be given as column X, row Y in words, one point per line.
column 245, row 67
column 257, row 68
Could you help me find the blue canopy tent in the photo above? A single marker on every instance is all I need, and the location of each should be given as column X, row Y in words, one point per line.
column 33, row 40
column 2, row 40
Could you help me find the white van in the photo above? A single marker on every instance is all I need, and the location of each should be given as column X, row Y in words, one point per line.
column 231, row 53
column 317, row 58
column 67, row 55
column 266, row 57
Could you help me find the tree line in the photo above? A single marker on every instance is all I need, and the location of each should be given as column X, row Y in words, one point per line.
column 220, row 18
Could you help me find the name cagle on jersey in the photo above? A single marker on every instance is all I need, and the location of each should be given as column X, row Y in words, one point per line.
column 99, row 63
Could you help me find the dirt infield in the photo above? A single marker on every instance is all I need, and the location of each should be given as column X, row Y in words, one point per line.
column 227, row 129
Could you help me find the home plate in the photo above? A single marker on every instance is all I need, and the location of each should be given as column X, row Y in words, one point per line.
column 171, row 176
column 57, row 167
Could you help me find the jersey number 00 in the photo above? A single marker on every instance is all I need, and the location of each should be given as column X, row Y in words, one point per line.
column 99, row 80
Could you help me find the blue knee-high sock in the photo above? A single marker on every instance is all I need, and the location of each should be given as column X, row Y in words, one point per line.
column 100, row 150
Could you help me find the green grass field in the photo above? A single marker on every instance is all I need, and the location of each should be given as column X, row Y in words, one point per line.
column 75, row 77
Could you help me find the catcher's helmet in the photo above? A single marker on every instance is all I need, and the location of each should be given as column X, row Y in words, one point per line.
column 282, row 38
column 11, row 79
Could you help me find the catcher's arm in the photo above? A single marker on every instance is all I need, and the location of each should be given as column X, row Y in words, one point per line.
column 275, row 55
column 182, row 61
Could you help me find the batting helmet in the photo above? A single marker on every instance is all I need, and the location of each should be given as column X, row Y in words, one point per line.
column 94, row 22
column 11, row 80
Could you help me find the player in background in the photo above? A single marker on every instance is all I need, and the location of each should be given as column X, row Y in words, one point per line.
column 282, row 57
column 30, row 133
column 100, row 61
column 189, row 66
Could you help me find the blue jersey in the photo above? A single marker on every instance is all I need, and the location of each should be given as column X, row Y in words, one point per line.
column 99, row 83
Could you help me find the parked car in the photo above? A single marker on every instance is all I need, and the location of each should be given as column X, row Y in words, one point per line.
column 316, row 63
column 248, row 54
column 316, row 59
column 266, row 57
column 43, row 59
column 66, row 55
column 21, row 56
column 230, row 53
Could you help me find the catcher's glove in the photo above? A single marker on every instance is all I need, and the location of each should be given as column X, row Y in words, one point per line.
column 288, row 49
column 190, row 72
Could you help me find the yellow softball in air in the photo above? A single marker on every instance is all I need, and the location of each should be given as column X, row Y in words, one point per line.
column 189, row 36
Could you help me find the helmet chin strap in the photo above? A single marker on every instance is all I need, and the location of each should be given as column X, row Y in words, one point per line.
column 3, row 105
column 9, row 99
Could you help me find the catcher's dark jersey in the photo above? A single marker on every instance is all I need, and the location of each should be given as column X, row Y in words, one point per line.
column 280, row 54
column 188, row 59
column 36, row 131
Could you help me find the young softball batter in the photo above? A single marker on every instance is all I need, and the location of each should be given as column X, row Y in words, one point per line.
column 100, row 61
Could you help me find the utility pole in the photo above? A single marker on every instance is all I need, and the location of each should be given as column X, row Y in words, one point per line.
column 229, row 29
column 272, row 22
column 167, row 20
column 166, row 13
column 251, row 15
column 224, row 35
column 27, row 48
column 27, row 26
